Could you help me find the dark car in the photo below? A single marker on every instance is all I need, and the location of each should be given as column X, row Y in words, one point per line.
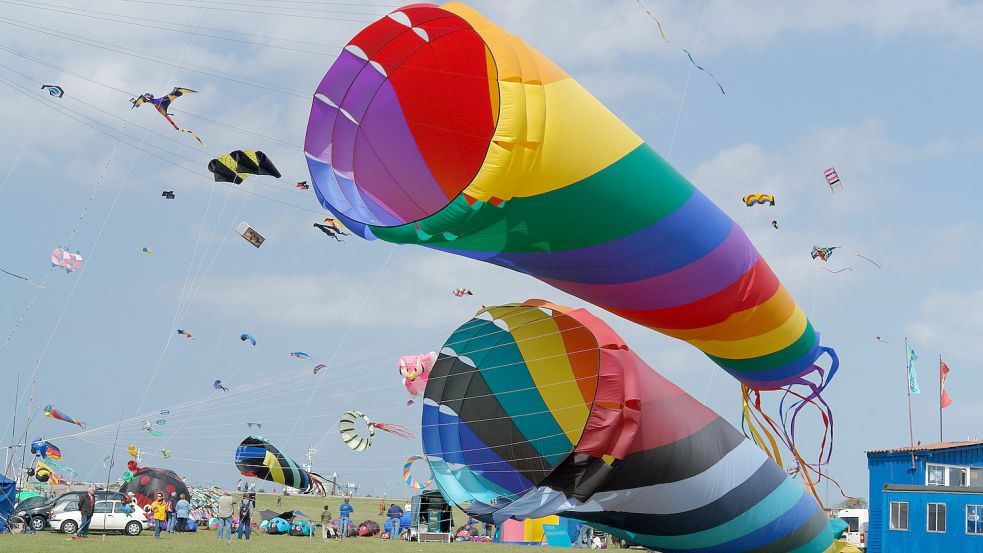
column 69, row 501
column 34, row 511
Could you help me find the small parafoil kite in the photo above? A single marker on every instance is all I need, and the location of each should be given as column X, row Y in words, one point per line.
column 250, row 234
column 133, row 451
column 302, row 185
column 833, row 180
column 53, row 413
column 536, row 409
column 408, row 477
column 166, row 453
column 318, row 367
column 237, row 166
column 415, row 370
column 461, row 292
column 300, row 355
column 258, row 458
column 168, row 194
column 165, row 412
column 247, row 338
column 185, row 333
column 162, row 104
column 256, row 424
column 147, row 250
column 70, row 261
column 218, row 386
column 775, row 224
column 147, row 482
column 360, row 442
column 759, row 199
column 146, row 426
column 53, row 90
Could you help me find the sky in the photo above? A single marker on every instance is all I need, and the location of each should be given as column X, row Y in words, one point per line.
column 883, row 91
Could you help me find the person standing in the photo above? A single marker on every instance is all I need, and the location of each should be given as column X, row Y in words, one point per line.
column 87, row 505
column 326, row 522
column 226, row 505
column 182, row 510
column 158, row 509
column 245, row 516
column 395, row 515
column 382, row 507
column 345, row 518
column 171, row 516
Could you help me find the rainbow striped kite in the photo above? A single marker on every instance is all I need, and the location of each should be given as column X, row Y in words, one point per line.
column 52, row 413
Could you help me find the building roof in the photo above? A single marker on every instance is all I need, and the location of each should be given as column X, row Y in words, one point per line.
column 929, row 447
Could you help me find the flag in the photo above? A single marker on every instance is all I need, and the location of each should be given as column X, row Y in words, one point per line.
column 912, row 373
column 945, row 400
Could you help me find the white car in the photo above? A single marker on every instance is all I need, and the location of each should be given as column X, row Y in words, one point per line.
column 106, row 517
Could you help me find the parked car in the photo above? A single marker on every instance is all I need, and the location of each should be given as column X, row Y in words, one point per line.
column 69, row 501
column 107, row 517
column 34, row 511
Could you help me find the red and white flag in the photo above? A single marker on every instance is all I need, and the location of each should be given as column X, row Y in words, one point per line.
column 944, row 400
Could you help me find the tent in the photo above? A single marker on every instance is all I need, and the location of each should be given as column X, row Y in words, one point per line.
column 8, row 491
column 432, row 513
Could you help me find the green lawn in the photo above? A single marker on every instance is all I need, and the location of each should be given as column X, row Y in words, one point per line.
column 202, row 541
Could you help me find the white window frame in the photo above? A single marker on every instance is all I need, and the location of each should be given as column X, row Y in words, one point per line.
column 928, row 518
column 966, row 520
column 890, row 513
column 945, row 474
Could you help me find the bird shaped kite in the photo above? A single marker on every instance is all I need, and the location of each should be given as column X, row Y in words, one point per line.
column 302, row 185
column 185, row 333
column 461, row 292
column 163, row 103
column 332, row 228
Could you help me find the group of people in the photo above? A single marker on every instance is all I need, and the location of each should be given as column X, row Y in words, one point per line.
column 172, row 512
column 344, row 527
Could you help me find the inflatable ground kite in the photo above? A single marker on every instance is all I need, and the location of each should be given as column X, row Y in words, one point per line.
column 534, row 409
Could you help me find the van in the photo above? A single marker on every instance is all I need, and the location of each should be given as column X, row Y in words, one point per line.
column 857, row 524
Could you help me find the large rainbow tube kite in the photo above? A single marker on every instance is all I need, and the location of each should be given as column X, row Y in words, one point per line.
column 534, row 409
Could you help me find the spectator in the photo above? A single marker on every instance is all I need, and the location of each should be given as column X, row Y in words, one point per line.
column 87, row 505
column 326, row 522
column 395, row 515
column 171, row 517
column 382, row 507
column 127, row 504
column 159, row 511
column 345, row 518
column 182, row 510
column 226, row 505
column 245, row 516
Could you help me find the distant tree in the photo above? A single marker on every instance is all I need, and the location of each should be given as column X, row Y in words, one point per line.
column 853, row 503
column 262, row 490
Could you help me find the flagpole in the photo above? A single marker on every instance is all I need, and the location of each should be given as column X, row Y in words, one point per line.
column 911, row 432
column 941, row 384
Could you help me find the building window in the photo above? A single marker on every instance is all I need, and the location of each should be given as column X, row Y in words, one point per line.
column 899, row 515
column 936, row 517
column 935, row 475
column 957, row 476
column 976, row 477
column 974, row 520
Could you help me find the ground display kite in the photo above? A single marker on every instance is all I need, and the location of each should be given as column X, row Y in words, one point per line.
column 70, row 261
column 163, row 103
column 53, row 413
column 147, row 482
column 435, row 127
column 534, row 409
column 259, row 458
column 236, row 166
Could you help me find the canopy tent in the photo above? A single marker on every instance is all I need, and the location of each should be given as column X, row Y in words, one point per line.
column 431, row 510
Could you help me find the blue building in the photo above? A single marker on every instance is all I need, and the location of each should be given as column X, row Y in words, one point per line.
column 926, row 499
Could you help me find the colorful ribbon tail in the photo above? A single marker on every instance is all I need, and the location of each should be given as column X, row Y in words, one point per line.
column 707, row 71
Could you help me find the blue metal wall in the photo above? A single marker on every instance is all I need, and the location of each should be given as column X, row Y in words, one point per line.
column 896, row 468
column 917, row 539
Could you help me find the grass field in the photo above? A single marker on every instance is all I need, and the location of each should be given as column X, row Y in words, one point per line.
column 206, row 541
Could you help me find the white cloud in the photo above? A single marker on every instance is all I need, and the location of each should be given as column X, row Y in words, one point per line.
column 950, row 320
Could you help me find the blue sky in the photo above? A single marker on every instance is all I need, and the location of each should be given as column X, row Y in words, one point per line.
column 885, row 92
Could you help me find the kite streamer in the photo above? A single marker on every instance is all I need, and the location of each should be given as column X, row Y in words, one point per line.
column 667, row 41
column 436, row 127
column 535, row 409
column 24, row 278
